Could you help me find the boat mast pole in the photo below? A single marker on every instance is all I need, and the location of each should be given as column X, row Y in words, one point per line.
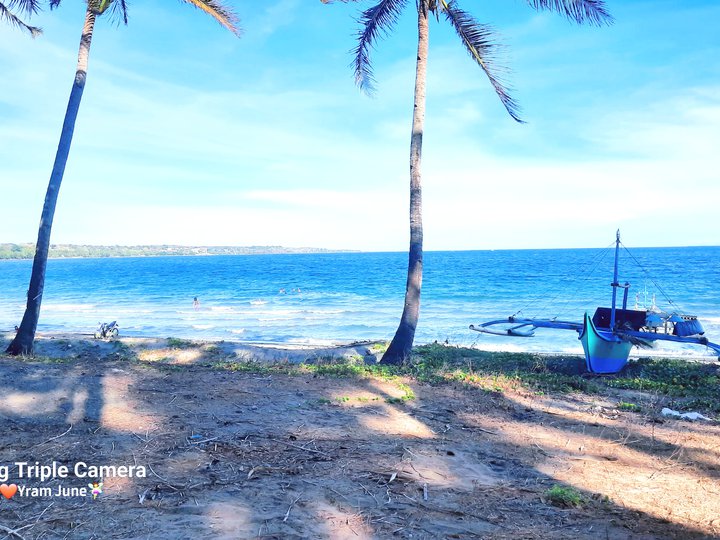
column 615, row 283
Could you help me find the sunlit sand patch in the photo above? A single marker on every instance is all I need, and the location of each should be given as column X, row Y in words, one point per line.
column 230, row 520
column 32, row 403
column 604, row 414
column 174, row 356
column 387, row 389
column 450, row 470
column 622, row 459
column 357, row 398
column 186, row 356
column 179, row 468
column 337, row 524
column 481, row 423
column 391, row 421
column 152, row 355
column 650, row 489
column 119, row 410
column 79, row 401
column 117, row 486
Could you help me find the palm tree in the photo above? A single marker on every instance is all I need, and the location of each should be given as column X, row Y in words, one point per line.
column 478, row 41
column 26, row 7
column 25, row 337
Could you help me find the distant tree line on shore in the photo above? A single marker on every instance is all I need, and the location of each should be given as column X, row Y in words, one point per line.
column 62, row 251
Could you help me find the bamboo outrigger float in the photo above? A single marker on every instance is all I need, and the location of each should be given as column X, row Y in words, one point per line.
column 610, row 334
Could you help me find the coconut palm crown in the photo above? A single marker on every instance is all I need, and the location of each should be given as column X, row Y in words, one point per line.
column 479, row 41
column 477, row 38
column 9, row 12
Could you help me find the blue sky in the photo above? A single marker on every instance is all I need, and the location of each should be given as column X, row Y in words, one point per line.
column 188, row 135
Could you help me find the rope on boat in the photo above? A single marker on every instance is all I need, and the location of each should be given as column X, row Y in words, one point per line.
column 541, row 302
column 652, row 280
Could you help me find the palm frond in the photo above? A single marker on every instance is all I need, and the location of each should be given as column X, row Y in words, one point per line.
column 222, row 14
column 119, row 11
column 14, row 20
column 27, row 7
column 54, row 4
column 580, row 11
column 376, row 21
column 477, row 39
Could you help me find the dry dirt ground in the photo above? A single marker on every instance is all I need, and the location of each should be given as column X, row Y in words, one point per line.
column 236, row 454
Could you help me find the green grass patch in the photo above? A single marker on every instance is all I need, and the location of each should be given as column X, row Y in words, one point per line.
column 564, row 497
column 177, row 343
column 497, row 372
column 624, row 406
column 687, row 384
column 408, row 394
column 691, row 384
column 257, row 368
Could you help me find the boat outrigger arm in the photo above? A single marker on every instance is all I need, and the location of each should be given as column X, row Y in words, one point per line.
column 524, row 327
column 609, row 335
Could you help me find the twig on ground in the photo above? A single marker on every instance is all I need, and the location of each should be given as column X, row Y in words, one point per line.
column 56, row 437
column 301, row 447
column 369, row 493
column 12, row 532
column 204, row 440
column 141, row 439
column 542, row 451
column 287, row 514
column 165, row 481
column 334, row 491
column 184, row 409
column 36, row 518
column 74, row 529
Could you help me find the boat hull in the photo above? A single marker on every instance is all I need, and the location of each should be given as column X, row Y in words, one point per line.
column 604, row 352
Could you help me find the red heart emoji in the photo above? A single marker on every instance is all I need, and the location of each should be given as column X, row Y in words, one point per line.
column 8, row 491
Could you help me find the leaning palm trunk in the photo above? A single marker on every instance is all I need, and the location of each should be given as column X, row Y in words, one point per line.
column 24, row 340
column 401, row 344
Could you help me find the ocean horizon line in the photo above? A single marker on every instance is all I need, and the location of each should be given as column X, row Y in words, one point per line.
column 101, row 251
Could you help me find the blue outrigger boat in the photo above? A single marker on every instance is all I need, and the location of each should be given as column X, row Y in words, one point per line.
column 609, row 335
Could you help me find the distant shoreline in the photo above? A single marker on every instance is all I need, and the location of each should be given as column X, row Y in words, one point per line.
column 78, row 251
column 26, row 251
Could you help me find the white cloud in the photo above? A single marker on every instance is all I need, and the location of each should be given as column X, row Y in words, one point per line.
column 297, row 156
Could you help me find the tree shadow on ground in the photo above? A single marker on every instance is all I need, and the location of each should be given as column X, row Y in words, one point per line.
column 248, row 454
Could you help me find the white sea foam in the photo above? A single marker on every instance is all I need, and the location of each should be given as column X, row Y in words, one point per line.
column 68, row 307
column 222, row 309
column 276, row 312
column 203, row 326
column 315, row 342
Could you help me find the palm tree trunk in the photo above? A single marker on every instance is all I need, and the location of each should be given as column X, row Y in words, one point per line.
column 401, row 345
column 24, row 340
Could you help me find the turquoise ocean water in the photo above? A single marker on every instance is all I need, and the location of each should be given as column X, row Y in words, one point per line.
column 328, row 298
